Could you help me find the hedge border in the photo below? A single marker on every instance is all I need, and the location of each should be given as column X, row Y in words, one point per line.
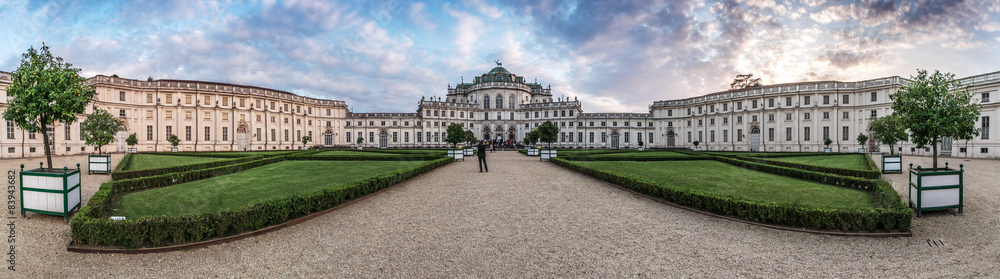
column 129, row 174
column 869, row 174
column 892, row 216
column 89, row 228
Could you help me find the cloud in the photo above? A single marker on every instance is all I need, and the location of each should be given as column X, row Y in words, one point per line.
column 418, row 17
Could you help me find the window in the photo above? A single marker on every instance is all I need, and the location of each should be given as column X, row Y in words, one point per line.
column 739, row 134
column 788, row 133
column 699, row 110
column 149, row 132
column 591, row 137
column 371, row 136
column 121, row 113
column 286, row 134
column 711, row 121
column 486, row 102
column 187, row 115
column 739, row 119
column 615, row 123
column 169, row 131
column 711, row 108
column 406, row 136
column 68, row 131
column 605, row 124
column 754, row 104
column 805, row 100
column 788, row 101
column 327, row 112
column 10, row 150
column 805, row 133
column 805, row 116
column 874, row 96
column 826, row 133
column 242, row 102
column 121, row 95
column 604, row 136
column 225, row 133
column 689, row 136
column 770, row 134
column 984, row 150
column 149, row 114
column 874, row 114
column 701, row 137
column 826, row 99
column 711, row 136
column 985, row 131
column 788, row 116
column 699, row 122
column 846, row 99
column 562, row 136
column 563, row 113
column 650, row 137
column 419, row 137
column 670, row 112
column 689, row 111
column 739, row 105
column 725, row 120
column 208, row 115
column 187, row 99
column 846, row 115
column 770, row 117
column 985, row 97
column 187, row 133
column 770, row 102
column 626, row 137
column 753, row 118
column 395, row 137
column 845, row 133
column 149, row 98
column 725, row 107
column 274, row 135
column 208, row 133
column 170, row 98
column 826, row 115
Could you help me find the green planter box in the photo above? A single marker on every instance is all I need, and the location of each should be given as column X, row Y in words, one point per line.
column 547, row 154
column 892, row 163
column 458, row 154
column 936, row 189
column 52, row 193
column 99, row 164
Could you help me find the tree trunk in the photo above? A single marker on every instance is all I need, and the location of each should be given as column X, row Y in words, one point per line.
column 934, row 153
column 45, row 141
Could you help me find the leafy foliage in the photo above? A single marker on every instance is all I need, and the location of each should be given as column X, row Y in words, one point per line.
column 889, row 130
column 305, row 140
column 456, row 134
column 531, row 138
column 174, row 140
column 132, row 140
column 862, row 139
column 548, row 133
column 99, row 129
column 470, row 137
column 936, row 106
column 361, row 140
column 827, row 142
column 45, row 90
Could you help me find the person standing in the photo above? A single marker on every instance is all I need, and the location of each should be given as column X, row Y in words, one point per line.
column 481, row 153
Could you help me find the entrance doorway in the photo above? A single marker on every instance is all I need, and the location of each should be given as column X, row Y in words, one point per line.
column 241, row 138
column 946, row 146
column 670, row 139
column 755, row 140
column 383, row 140
column 328, row 138
column 614, row 140
column 120, row 139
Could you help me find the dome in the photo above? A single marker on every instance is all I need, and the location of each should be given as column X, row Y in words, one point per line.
column 498, row 70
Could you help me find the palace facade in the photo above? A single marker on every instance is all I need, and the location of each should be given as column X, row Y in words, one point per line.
column 211, row 116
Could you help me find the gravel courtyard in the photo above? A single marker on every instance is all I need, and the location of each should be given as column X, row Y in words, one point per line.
column 527, row 218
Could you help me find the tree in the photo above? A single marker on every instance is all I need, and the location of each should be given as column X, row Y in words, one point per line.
column 862, row 139
column 935, row 106
column 456, row 134
column 531, row 138
column 99, row 129
column 45, row 90
column 131, row 140
column 889, row 130
column 174, row 140
column 548, row 133
column 827, row 142
column 305, row 140
column 470, row 137
column 696, row 143
column 361, row 140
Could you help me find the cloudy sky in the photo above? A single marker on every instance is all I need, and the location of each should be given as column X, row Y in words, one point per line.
column 615, row 56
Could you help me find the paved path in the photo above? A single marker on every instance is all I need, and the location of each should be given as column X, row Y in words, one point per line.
column 527, row 218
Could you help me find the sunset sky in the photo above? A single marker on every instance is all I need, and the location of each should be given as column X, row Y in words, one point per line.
column 382, row 56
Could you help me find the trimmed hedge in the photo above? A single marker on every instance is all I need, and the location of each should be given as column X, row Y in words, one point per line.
column 892, row 216
column 90, row 228
column 129, row 174
column 634, row 158
column 123, row 165
column 869, row 174
column 168, row 179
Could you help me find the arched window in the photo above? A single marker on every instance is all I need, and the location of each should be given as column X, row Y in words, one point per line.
column 486, row 102
column 511, row 102
column 499, row 101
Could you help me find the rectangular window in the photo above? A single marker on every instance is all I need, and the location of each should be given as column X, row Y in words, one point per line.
column 604, row 136
column 274, row 135
column 739, row 135
column 286, row 134
column 739, row 105
column 121, row 95
column 711, row 136
column 788, row 133
column 394, row 137
column 805, row 134
column 562, row 137
column 711, row 121
column 826, row 99
column 591, row 137
column 10, row 129
column 984, row 150
column 725, row 107
column 437, row 137
column 169, row 131
column 208, row 133
column 187, row 133
column 770, row 117
column 826, row 133
column 689, row 136
column 846, row 115
column 121, row 113
column 805, row 100
column 701, row 137
column 371, row 137
column 788, row 101
column 626, row 137
column 770, row 134
column 225, row 133
column 259, row 134
column 846, row 99
column 770, row 102
column 826, row 115
column 985, row 97
column 68, row 132
column 149, row 98
column 419, row 136
column 985, row 131
column 874, row 96
column 187, row 99
column 349, row 139
column 170, row 98
column 149, row 114
column 406, row 136
column 874, row 114
column 149, row 132
column 845, row 134
column 579, row 135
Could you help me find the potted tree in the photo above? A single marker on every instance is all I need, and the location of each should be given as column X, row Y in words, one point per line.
column 530, row 139
column 174, row 141
column 131, row 141
column 455, row 136
column 696, row 148
column 640, row 144
column 44, row 90
column 548, row 133
column 98, row 130
column 826, row 143
column 889, row 130
column 305, row 140
column 862, row 139
column 360, row 141
column 470, row 138
column 932, row 107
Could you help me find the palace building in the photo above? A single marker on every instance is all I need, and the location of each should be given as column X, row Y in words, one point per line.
column 212, row 116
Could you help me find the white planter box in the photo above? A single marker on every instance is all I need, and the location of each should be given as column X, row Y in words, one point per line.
column 532, row 152
column 458, row 154
column 862, row 150
column 98, row 164
column 52, row 193
column 469, row 151
column 173, row 149
column 892, row 163
column 547, row 154
column 132, row 150
column 827, row 150
column 936, row 190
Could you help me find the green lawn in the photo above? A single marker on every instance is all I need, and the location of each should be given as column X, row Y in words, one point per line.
column 256, row 185
column 720, row 178
column 755, row 154
column 848, row 161
column 356, row 153
column 644, row 154
column 147, row 161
